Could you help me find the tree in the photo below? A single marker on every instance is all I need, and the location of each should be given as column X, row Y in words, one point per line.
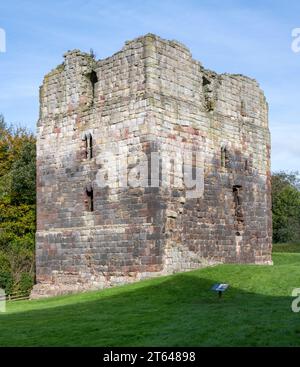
column 286, row 206
column 23, row 175
column 2, row 123
column 17, row 208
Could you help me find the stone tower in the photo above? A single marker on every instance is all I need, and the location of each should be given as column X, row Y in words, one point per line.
column 150, row 97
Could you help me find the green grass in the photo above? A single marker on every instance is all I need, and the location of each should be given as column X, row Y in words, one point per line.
column 178, row 310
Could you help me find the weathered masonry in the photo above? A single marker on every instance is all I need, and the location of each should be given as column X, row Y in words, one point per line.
column 152, row 96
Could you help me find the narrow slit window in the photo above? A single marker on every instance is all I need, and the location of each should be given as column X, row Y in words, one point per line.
column 243, row 108
column 238, row 211
column 93, row 79
column 84, row 146
column 89, row 198
column 90, row 146
column 224, row 157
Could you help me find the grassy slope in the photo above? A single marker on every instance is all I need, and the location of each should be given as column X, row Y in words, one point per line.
column 178, row 310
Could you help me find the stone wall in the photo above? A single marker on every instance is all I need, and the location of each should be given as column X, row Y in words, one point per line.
column 149, row 97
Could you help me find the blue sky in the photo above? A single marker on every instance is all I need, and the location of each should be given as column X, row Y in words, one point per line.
column 247, row 37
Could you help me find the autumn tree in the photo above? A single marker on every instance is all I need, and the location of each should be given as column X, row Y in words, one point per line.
column 17, row 208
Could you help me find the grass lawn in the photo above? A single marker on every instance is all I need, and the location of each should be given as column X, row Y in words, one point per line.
column 178, row 310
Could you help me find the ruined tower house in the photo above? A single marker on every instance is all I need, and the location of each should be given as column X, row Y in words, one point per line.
column 151, row 96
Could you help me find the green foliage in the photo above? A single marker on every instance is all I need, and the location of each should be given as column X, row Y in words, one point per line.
column 6, row 281
column 286, row 247
column 286, row 207
column 23, row 175
column 17, row 208
column 2, row 123
column 26, row 282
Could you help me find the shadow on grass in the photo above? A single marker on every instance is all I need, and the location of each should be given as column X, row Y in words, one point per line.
column 176, row 311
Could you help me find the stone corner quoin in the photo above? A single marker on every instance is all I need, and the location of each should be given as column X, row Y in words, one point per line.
column 150, row 97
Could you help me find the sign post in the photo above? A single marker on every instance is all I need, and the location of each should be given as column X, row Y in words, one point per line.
column 220, row 288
